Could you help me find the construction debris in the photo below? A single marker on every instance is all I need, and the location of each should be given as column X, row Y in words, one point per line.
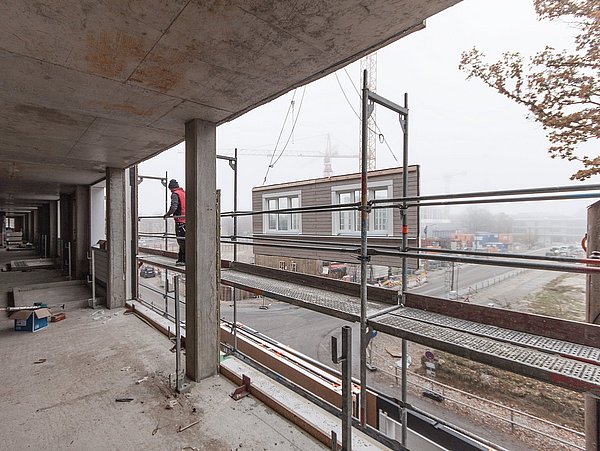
column 183, row 428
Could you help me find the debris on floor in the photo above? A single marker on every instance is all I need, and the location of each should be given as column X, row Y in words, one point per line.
column 183, row 428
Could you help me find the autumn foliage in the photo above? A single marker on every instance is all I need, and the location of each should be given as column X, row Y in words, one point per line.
column 560, row 88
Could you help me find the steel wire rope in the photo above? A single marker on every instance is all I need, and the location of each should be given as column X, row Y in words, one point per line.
column 378, row 131
column 280, row 134
column 292, row 130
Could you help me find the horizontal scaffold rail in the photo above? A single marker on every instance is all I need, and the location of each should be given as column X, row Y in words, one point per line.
column 548, row 349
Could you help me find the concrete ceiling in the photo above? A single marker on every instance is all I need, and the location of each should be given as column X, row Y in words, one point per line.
column 87, row 84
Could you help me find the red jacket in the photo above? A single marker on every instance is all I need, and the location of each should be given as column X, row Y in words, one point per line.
column 181, row 209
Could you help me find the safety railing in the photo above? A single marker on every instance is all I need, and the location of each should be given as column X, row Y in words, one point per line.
column 363, row 251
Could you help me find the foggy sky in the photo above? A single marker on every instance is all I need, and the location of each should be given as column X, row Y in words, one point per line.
column 464, row 135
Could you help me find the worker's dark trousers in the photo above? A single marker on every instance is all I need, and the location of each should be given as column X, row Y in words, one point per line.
column 180, row 233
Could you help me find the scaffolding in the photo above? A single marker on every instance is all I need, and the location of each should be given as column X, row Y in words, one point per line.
column 395, row 317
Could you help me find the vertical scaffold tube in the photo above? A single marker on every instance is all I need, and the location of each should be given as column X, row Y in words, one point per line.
column 404, row 262
column 364, row 227
column 235, row 234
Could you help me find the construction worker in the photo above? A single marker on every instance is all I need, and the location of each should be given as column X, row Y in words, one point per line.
column 177, row 209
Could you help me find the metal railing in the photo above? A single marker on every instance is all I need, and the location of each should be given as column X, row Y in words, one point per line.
column 365, row 250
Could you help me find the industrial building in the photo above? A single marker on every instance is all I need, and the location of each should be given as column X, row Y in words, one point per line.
column 88, row 91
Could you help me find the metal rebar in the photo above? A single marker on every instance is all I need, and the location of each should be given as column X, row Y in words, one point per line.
column 364, row 227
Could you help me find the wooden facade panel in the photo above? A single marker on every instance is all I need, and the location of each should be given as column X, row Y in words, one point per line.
column 321, row 224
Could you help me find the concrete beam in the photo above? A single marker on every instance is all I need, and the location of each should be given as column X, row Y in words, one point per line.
column 592, row 404
column 202, row 317
column 115, row 221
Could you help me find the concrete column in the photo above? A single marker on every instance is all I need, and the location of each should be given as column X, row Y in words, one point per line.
column 52, row 229
column 115, row 235
column 2, row 229
column 202, row 319
column 592, row 404
column 26, row 227
column 81, row 231
column 36, row 230
column 97, row 214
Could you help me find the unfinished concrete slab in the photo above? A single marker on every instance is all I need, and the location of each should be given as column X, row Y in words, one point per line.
column 32, row 264
column 107, row 85
column 71, row 294
column 69, row 400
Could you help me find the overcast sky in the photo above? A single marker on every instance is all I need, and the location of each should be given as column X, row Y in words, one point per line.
column 465, row 136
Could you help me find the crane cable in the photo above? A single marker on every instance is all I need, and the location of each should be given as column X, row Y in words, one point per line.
column 272, row 163
column 378, row 132
column 279, row 137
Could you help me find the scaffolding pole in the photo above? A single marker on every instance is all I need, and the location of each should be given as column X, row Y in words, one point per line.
column 403, row 116
column 364, row 257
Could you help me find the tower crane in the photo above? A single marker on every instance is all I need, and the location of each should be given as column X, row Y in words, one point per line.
column 369, row 63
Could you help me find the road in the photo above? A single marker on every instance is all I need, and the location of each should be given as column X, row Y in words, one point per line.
column 310, row 332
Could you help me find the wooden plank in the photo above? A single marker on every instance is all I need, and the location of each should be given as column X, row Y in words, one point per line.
column 559, row 329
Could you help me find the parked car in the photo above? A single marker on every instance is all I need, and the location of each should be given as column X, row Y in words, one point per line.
column 147, row 272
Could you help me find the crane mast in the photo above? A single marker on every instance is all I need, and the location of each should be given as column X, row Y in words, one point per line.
column 369, row 63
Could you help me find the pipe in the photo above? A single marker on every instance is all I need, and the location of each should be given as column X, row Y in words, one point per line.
column 404, row 122
column 235, row 246
column 525, row 191
column 480, row 261
column 177, row 337
column 364, row 227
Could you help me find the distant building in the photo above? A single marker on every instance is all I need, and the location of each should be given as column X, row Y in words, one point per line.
column 385, row 225
column 546, row 231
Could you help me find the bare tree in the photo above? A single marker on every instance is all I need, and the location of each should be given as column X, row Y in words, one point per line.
column 561, row 89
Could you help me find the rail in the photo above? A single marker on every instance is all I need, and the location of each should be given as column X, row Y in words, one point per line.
column 363, row 250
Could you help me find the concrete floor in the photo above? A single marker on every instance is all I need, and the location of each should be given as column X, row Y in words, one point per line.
column 11, row 279
column 96, row 356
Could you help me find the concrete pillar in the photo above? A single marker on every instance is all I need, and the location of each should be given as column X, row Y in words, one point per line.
column 202, row 319
column 52, row 229
column 592, row 404
column 81, row 232
column 134, row 230
column 116, row 237
column 97, row 214
column 2, row 229
column 26, row 227
column 36, row 230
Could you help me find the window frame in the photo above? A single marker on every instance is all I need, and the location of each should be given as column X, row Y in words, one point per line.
column 374, row 186
column 292, row 218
